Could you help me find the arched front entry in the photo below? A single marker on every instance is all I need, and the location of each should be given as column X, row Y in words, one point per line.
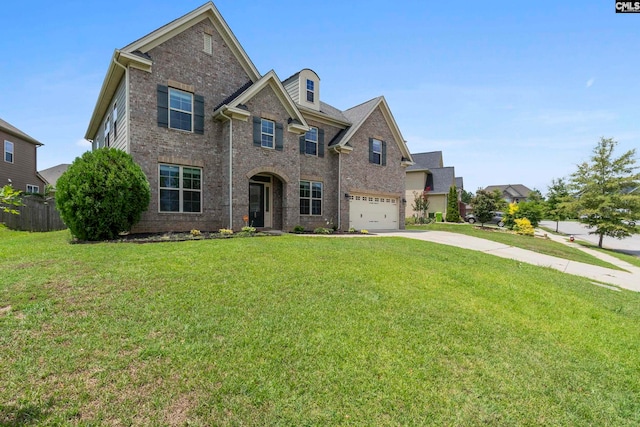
column 266, row 200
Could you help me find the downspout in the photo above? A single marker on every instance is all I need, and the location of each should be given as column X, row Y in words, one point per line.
column 230, row 168
column 339, row 187
column 126, row 101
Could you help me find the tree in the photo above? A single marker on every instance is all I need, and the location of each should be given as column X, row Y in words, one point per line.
column 9, row 198
column 485, row 203
column 600, row 185
column 421, row 205
column 103, row 193
column 558, row 204
column 466, row 196
column 453, row 210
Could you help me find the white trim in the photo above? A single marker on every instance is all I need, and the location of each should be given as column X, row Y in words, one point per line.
column 310, row 140
column 13, row 152
column 191, row 113
column 263, row 133
column 180, row 189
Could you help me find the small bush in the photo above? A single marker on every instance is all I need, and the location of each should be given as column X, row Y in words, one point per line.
column 225, row 231
column 364, row 231
column 103, row 193
column 523, row 226
column 195, row 233
column 298, row 229
column 322, row 230
column 352, row 230
column 248, row 229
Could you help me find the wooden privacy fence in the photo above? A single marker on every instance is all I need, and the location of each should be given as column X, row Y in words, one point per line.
column 37, row 214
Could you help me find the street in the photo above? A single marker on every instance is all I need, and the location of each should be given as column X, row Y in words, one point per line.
column 630, row 245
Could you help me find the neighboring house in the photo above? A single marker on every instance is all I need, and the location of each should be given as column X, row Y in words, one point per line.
column 512, row 193
column 18, row 164
column 223, row 145
column 429, row 174
column 52, row 174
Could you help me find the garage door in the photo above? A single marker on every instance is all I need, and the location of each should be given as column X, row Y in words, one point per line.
column 373, row 212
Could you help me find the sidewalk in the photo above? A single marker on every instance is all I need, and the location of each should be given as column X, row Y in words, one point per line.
column 629, row 279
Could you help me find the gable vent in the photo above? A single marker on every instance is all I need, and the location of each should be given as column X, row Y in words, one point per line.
column 208, row 44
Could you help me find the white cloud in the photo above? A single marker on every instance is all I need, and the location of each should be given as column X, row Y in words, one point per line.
column 590, row 82
column 83, row 143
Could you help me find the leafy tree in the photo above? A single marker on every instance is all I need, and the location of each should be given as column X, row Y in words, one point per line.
column 103, row 193
column 453, row 210
column 421, row 205
column 533, row 210
column 600, row 184
column 535, row 196
column 466, row 196
column 9, row 198
column 485, row 203
column 558, row 204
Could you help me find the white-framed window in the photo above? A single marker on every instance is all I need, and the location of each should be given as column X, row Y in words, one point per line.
column 180, row 110
column 8, row 151
column 33, row 188
column 267, row 133
column 311, row 90
column 107, row 131
column 377, row 152
column 115, row 120
column 310, row 198
column 208, row 43
column 180, row 188
column 311, row 141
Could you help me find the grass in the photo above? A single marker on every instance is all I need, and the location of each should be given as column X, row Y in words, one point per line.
column 543, row 246
column 298, row 330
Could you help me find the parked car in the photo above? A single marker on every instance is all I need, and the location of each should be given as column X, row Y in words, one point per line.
column 498, row 219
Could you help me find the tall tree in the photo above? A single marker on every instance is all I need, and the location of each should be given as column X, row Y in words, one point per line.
column 485, row 203
column 558, row 201
column 453, row 210
column 601, row 184
column 466, row 196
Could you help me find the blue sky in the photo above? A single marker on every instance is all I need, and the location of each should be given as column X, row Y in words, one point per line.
column 511, row 92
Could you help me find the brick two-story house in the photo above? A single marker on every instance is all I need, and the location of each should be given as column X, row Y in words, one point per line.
column 223, row 145
column 18, row 166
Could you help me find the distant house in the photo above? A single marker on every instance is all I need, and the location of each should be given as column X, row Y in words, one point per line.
column 18, row 164
column 52, row 174
column 512, row 193
column 223, row 145
column 429, row 174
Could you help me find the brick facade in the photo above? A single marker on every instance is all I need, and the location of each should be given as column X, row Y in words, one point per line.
column 180, row 61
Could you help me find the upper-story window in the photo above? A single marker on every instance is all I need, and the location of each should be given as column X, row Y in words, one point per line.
column 115, row 120
column 180, row 110
column 311, row 142
column 107, row 131
column 311, row 90
column 268, row 133
column 376, row 149
column 8, row 152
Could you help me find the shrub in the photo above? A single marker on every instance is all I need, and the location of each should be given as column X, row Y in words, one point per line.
column 322, row 230
column 249, row 229
column 352, row 230
column 298, row 229
column 195, row 233
column 364, row 231
column 453, row 210
column 103, row 193
column 523, row 226
column 225, row 231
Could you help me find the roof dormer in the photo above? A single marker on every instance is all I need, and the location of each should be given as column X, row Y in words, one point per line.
column 304, row 88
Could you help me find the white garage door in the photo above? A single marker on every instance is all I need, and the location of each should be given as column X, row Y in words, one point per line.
column 373, row 212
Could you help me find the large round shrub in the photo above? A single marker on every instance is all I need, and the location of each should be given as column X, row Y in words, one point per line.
column 103, row 193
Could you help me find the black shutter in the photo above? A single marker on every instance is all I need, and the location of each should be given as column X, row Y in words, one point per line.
column 163, row 106
column 384, row 153
column 279, row 136
column 303, row 144
column 371, row 150
column 320, row 142
column 257, row 131
column 198, row 114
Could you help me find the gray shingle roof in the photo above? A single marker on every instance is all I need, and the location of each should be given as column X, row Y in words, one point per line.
column 430, row 160
column 52, row 174
column 515, row 190
column 459, row 182
column 443, row 179
column 9, row 128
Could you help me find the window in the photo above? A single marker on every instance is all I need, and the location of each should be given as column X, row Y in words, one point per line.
column 8, row 152
column 107, row 130
column 311, row 142
column 33, row 188
column 268, row 133
column 208, row 44
column 180, row 189
column 180, row 110
column 310, row 90
column 310, row 198
column 115, row 120
column 376, row 152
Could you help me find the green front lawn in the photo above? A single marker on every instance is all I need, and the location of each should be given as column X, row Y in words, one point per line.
column 301, row 330
column 500, row 235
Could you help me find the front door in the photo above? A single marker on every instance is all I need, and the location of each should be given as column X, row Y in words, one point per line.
column 256, row 204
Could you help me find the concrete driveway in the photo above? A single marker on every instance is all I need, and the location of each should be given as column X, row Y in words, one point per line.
column 630, row 245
